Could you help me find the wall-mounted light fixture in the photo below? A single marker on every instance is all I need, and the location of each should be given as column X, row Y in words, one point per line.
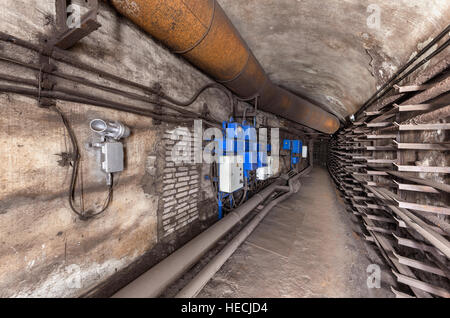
column 112, row 155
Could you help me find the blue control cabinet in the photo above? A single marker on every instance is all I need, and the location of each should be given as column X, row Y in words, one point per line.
column 297, row 146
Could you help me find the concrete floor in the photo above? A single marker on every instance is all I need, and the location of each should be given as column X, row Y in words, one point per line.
column 305, row 247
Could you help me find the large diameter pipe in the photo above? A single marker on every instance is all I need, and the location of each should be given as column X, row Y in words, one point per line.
column 153, row 282
column 201, row 32
column 202, row 278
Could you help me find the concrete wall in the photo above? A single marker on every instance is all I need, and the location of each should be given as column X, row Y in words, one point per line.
column 45, row 250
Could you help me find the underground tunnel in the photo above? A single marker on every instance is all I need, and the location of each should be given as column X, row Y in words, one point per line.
column 224, row 149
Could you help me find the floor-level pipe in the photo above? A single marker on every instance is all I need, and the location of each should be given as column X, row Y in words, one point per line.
column 153, row 282
column 196, row 285
column 198, row 282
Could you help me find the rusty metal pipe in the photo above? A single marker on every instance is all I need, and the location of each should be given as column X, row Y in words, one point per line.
column 201, row 32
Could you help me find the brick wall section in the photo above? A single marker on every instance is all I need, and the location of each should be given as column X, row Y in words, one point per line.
column 181, row 185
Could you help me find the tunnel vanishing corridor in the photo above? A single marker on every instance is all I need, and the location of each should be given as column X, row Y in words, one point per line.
column 222, row 149
column 305, row 247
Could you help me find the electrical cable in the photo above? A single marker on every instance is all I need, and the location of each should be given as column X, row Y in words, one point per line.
column 89, row 83
column 246, row 108
column 75, row 163
column 62, row 93
column 392, row 81
column 62, row 56
column 73, row 96
column 198, row 93
column 244, row 194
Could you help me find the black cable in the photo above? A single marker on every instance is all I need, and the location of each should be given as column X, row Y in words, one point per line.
column 62, row 56
column 244, row 194
column 198, row 93
column 389, row 84
column 248, row 107
column 73, row 96
column 75, row 162
column 92, row 84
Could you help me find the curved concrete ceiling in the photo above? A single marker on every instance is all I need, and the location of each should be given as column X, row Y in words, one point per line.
column 332, row 51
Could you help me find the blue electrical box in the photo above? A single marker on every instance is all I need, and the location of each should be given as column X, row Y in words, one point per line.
column 297, row 146
column 286, row 144
column 250, row 140
column 262, row 159
column 222, row 144
column 238, row 144
column 250, row 161
column 251, row 150
column 262, row 156
column 294, row 160
column 233, row 125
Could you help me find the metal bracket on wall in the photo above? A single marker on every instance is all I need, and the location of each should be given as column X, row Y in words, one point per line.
column 46, row 83
column 66, row 36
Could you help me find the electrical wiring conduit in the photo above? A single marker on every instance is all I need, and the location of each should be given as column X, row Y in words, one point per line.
column 153, row 282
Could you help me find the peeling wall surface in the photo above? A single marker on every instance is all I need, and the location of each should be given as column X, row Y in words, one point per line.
column 45, row 249
column 334, row 52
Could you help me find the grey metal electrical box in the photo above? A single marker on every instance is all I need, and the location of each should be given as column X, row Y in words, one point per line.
column 112, row 157
column 305, row 152
column 231, row 173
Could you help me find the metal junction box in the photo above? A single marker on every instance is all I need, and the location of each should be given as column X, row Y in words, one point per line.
column 112, row 157
column 262, row 173
column 286, row 144
column 296, row 146
column 231, row 173
column 305, row 152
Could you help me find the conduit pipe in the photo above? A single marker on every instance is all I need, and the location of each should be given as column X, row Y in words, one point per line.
column 153, row 282
column 201, row 279
column 201, row 32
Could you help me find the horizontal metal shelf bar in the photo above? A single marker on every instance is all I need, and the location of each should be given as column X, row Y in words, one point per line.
column 423, row 169
column 445, row 126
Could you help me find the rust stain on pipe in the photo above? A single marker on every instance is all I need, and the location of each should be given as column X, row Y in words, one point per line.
column 201, row 32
